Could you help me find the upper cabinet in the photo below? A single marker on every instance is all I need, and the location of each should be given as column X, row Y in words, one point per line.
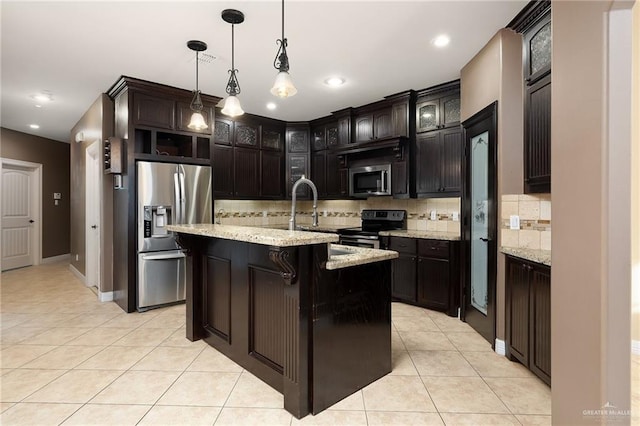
column 537, row 101
column 433, row 113
column 248, row 157
column 297, row 157
column 154, row 119
column 382, row 120
column 437, row 160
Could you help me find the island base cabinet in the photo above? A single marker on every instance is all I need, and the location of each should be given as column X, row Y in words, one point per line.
column 315, row 335
column 528, row 292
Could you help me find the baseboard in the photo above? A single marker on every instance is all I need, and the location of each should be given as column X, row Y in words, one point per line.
column 635, row 347
column 54, row 259
column 107, row 296
column 501, row 348
column 78, row 275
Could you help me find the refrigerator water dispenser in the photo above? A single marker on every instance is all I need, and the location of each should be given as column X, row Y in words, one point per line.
column 156, row 219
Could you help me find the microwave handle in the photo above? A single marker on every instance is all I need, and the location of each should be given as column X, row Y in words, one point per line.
column 384, row 181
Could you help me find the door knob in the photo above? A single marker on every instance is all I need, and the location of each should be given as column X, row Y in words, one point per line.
column 94, row 226
column 486, row 240
column 31, row 220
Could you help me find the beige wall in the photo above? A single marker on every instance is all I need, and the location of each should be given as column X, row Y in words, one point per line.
column 495, row 73
column 96, row 125
column 54, row 157
column 635, row 217
column 590, row 335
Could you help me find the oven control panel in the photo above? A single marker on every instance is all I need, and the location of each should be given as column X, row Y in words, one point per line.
column 385, row 215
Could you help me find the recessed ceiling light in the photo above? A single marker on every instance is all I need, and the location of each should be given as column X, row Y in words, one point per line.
column 271, row 106
column 334, row 81
column 441, row 41
column 43, row 97
column 38, row 106
column 34, row 126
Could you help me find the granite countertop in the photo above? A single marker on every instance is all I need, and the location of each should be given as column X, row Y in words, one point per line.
column 426, row 235
column 256, row 235
column 538, row 256
column 354, row 256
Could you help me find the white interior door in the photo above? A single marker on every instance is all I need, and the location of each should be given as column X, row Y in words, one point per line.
column 92, row 215
column 18, row 217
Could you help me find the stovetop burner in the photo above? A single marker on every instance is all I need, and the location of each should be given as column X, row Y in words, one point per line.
column 374, row 221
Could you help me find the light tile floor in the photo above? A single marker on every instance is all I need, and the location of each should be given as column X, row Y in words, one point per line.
column 67, row 359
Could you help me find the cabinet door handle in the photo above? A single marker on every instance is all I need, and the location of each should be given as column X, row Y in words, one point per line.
column 486, row 240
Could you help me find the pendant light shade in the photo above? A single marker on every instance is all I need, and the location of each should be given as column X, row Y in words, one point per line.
column 197, row 121
column 283, row 87
column 231, row 104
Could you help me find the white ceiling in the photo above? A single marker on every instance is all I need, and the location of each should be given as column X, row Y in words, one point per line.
column 78, row 49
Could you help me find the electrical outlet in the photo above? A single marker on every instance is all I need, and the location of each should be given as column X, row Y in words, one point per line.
column 324, row 213
column 433, row 215
column 57, row 195
column 456, row 217
column 77, row 257
column 264, row 213
column 514, row 222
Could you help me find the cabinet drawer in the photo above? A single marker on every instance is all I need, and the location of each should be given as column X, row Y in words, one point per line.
column 402, row 245
column 433, row 248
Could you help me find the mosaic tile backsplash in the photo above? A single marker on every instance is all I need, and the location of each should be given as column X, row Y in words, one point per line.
column 535, row 221
column 340, row 213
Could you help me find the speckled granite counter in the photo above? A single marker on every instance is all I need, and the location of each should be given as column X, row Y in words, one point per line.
column 426, row 235
column 538, row 256
column 256, row 235
column 354, row 256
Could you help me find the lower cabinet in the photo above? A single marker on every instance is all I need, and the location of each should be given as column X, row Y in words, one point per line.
column 528, row 303
column 426, row 273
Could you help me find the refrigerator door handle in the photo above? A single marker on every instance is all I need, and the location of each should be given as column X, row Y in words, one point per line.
column 178, row 198
column 179, row 255
column 183, row 194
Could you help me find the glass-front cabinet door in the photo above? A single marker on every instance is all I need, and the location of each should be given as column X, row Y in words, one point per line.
column 538, row 50
column 428, row 116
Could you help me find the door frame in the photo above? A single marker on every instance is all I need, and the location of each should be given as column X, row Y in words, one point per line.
column 489, row 114
column 93, row 185
column 36, row 200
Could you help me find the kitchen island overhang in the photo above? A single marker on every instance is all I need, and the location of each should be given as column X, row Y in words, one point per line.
column 313, row 325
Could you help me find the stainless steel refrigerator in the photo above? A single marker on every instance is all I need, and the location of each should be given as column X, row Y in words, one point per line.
column 167, row 194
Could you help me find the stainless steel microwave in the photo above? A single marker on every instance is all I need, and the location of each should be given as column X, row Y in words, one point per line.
column 369, row 181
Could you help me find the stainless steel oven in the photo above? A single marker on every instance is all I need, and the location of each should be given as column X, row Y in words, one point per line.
column 373, row 221
column 367, row 241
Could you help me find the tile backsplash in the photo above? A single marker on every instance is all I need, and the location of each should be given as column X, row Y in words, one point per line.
column 340, row 213
column 535, row 221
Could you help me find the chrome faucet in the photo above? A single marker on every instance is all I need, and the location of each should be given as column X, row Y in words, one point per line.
column 314, row 215
column 219, row 216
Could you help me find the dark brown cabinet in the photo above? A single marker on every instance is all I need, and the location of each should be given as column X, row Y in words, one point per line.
column 387, row 122
column 223, row 173
column 298, row 158
column 318, row 172
column 435, row 269
column 154, row 111
column 438, row 163
column 528, row 303
column 337, row 176
column 438, row 113
column 403, row 269
column 248, row 158
column 537, row 106
column 426, row 273
column 399, row 179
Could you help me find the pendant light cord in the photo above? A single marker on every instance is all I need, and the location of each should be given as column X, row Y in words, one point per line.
column 283, row 20
column 233, row 44
column 197, row 71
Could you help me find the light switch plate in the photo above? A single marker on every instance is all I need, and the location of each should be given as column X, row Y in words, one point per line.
column 514, row 222
column 57, row 195
column 433, row 215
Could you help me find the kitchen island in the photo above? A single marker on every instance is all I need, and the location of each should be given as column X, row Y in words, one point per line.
column 309, row 317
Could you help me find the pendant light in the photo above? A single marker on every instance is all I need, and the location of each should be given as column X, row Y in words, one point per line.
column 283, row 86
column 197, row 121
column 231, row 104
